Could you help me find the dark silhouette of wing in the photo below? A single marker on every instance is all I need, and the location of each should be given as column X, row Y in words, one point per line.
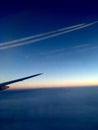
column 3, row 85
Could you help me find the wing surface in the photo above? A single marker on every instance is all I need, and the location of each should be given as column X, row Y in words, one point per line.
column 3, row 85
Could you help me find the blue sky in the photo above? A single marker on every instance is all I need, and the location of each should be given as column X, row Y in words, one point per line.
column 70, row 59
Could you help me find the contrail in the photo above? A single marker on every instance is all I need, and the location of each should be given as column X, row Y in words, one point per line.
column 49, row 36
column 35, row 40
column 39, row 35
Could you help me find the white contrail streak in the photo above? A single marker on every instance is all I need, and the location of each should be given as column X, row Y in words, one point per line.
column 47, row 37
column 39, row 35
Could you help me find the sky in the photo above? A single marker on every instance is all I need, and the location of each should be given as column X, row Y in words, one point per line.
column 34, row 38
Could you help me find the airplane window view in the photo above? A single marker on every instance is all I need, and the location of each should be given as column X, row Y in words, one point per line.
column 49, row 65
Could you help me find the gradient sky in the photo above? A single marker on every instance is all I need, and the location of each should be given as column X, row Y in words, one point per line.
column 67, row 60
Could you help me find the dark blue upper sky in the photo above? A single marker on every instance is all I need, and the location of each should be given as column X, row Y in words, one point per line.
column 69, row 59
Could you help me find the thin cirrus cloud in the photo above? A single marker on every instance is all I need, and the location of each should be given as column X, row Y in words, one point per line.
column 43, row 36
column 81, row 46
column 77, row 48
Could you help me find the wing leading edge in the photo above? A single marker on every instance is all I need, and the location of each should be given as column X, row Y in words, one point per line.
column 3, row 85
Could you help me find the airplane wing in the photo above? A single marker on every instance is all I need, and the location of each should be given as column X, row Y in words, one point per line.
column 3, row 85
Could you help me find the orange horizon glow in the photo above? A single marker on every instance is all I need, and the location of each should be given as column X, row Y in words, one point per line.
column 54, row 85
